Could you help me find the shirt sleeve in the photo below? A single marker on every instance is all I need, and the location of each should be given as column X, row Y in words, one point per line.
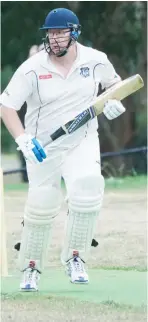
column 105, row 74
column 17, row 91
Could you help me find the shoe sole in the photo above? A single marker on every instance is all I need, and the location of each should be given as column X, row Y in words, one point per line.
column 78, row 282
column 28, row 290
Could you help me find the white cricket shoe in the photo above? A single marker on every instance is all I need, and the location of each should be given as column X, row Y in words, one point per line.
column 76, row 271
column 31, row 277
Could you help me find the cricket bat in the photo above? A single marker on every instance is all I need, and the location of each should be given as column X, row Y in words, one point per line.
column 118, row 91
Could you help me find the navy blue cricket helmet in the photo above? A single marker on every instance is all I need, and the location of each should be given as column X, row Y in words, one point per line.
column 62, row 18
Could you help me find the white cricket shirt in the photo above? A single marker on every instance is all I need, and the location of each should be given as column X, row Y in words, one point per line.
column 53, row 100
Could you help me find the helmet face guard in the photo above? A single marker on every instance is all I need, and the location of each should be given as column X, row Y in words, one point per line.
column 73, row 34
column 61, row 19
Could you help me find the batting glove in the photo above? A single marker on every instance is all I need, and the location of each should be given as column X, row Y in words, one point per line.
column 32, row 149
column 113, row 109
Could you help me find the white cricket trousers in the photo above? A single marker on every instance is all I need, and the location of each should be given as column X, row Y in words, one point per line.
column 70, row 159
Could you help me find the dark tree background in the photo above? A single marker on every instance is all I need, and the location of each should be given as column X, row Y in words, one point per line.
column 116, row 27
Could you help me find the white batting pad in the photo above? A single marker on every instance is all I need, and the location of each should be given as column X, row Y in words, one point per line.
column 85, row 201
column 42, row 206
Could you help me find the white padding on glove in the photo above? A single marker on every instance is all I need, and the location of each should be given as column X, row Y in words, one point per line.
column 113, row 109
column 32, row 149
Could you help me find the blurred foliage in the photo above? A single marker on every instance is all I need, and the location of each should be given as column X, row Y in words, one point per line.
column 6, row 74
column 7, row 140
column 116, row 27
column 8, row 144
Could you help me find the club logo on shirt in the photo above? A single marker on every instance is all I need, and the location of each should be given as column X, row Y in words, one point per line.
column 84, row 71
column 45, row 76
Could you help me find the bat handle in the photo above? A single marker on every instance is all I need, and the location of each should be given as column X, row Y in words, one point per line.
column 54, row 136
column 73, row 125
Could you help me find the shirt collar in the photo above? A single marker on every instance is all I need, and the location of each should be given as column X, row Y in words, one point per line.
column 80, row 60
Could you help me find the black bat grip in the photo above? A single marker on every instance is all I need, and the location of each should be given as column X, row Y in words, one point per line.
column 74, row 124
column 57, row 134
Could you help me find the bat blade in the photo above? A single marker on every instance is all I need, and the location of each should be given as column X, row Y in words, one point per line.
column 119, row 91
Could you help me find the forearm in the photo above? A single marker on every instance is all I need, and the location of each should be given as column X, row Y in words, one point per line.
column 12, row 121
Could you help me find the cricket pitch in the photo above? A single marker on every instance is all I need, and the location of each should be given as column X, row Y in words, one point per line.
column 117, row 267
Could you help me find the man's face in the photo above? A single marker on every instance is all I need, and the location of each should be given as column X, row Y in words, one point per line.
column 58, row 39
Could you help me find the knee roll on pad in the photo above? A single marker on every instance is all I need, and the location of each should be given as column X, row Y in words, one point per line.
column 87, row 193
column 85, row 201
column 42, row 205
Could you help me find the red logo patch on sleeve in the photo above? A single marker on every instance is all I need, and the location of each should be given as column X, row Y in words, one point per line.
column 45, row 76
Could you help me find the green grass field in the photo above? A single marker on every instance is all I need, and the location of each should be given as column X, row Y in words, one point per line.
column 111, row 183
column 115, row 286
column 117, row 268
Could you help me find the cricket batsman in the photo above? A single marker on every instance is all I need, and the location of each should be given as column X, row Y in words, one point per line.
column 59, row 83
